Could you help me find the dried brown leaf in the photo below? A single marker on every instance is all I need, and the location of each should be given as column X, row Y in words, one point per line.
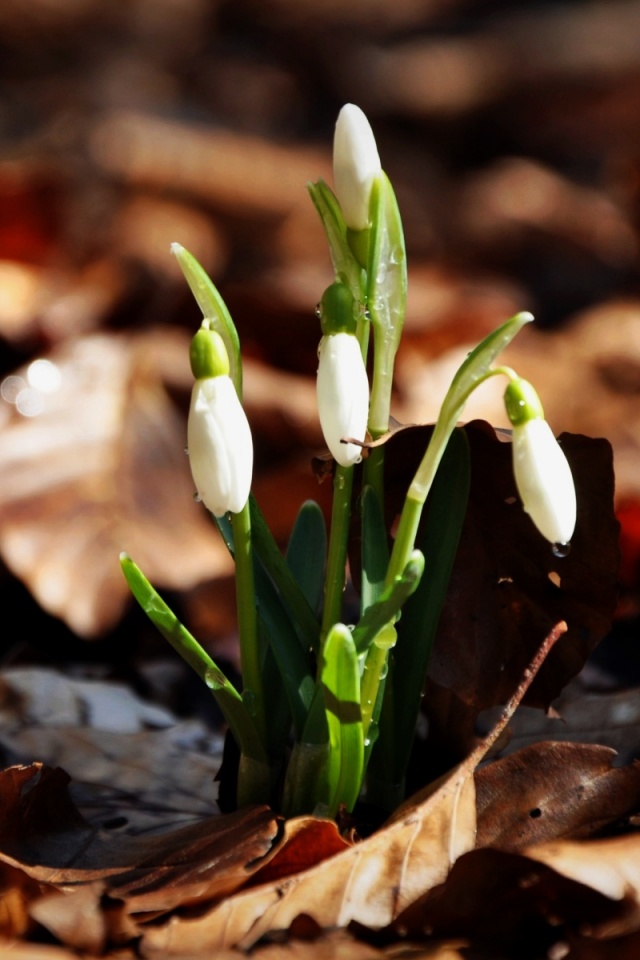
column 43, row 834
column 370, row 882
column 551, row 791
column 98, row 468
column 510, row 905
column 507, row 587
column 611, row 866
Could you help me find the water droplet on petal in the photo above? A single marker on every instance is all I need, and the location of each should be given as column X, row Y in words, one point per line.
column 197, row 498
column 186, row 450
column 318, row 311
column 561, row 550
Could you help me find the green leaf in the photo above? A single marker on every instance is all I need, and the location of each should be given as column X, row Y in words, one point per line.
column 386, row 296
column 284, row 642
column 307, row 552
column 291, row 659
column 387, row 607
column 477, row 365
column 347, row 268
column 438, row 539
column 227, row 697
column 213, row 308
column 305, row 786
column 375, row 547
column 340, row 679
column 297, row 605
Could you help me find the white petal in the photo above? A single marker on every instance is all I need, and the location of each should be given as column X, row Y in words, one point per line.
column 544, row 480
column 343, row 396
column 356, row 164
column 220, row 445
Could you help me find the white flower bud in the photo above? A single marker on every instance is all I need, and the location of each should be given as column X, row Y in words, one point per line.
column 544, row 480
column 356, row 164
column 220, row 445
column 343, row 395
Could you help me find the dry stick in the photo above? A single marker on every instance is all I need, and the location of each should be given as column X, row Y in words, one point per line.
column 454, row 778
column 478, row 753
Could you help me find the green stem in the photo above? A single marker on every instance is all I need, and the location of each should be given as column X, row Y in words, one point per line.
column 371, row 675
column 338, row 540
column 248, row 619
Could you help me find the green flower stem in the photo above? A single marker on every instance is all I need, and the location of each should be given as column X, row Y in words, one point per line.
column 405, row 536
column 248, row 618
column 337, row 555
column 425, row 474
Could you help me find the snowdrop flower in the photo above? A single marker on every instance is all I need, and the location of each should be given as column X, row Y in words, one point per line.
column 542, row 473
column 342, row 383
column 218, row 434
column 356, row 164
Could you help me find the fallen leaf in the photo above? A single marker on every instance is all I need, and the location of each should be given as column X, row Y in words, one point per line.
column 370, row 882
column 509, row 905
column 507, row 587
column 93, row 465
column 611, row 866
column 42, row 832
column 551, row 791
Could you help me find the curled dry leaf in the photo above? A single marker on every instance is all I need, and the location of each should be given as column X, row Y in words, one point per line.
column 44, row 834
column 91, row 464
column 370, row 882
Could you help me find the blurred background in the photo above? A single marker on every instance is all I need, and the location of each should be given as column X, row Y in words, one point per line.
column 511, row 132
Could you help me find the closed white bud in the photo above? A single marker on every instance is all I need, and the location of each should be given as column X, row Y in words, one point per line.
column 343, row 396
column 356, row 164
column 544, row 480
column 220, row 445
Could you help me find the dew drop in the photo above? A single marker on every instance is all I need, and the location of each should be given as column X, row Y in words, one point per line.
column 384, row 670
column 318, row 311
column 197, row 498
column 186, row 450
column 561, row 550
column 214, row 678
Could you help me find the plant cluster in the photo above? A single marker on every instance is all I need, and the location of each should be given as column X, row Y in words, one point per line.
column 318, row 722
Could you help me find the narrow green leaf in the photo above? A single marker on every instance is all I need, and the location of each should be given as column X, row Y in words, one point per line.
column 291, row 659
column 305, row 786
column 306, row 554
column 274, row 563
column 346, row 267
column 295, row 679
column 386, row 609
column 213, row 308
column 386, row 296
column 476, row 366
column 375, row 547
column 227, row 697
column 438, row 539
column 340, row 679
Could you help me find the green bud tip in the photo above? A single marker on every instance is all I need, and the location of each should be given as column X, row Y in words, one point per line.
column 208, row 354
column 522, row 402
column 338, row 310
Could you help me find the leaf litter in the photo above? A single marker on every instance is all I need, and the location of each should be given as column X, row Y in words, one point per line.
column 190, row 890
